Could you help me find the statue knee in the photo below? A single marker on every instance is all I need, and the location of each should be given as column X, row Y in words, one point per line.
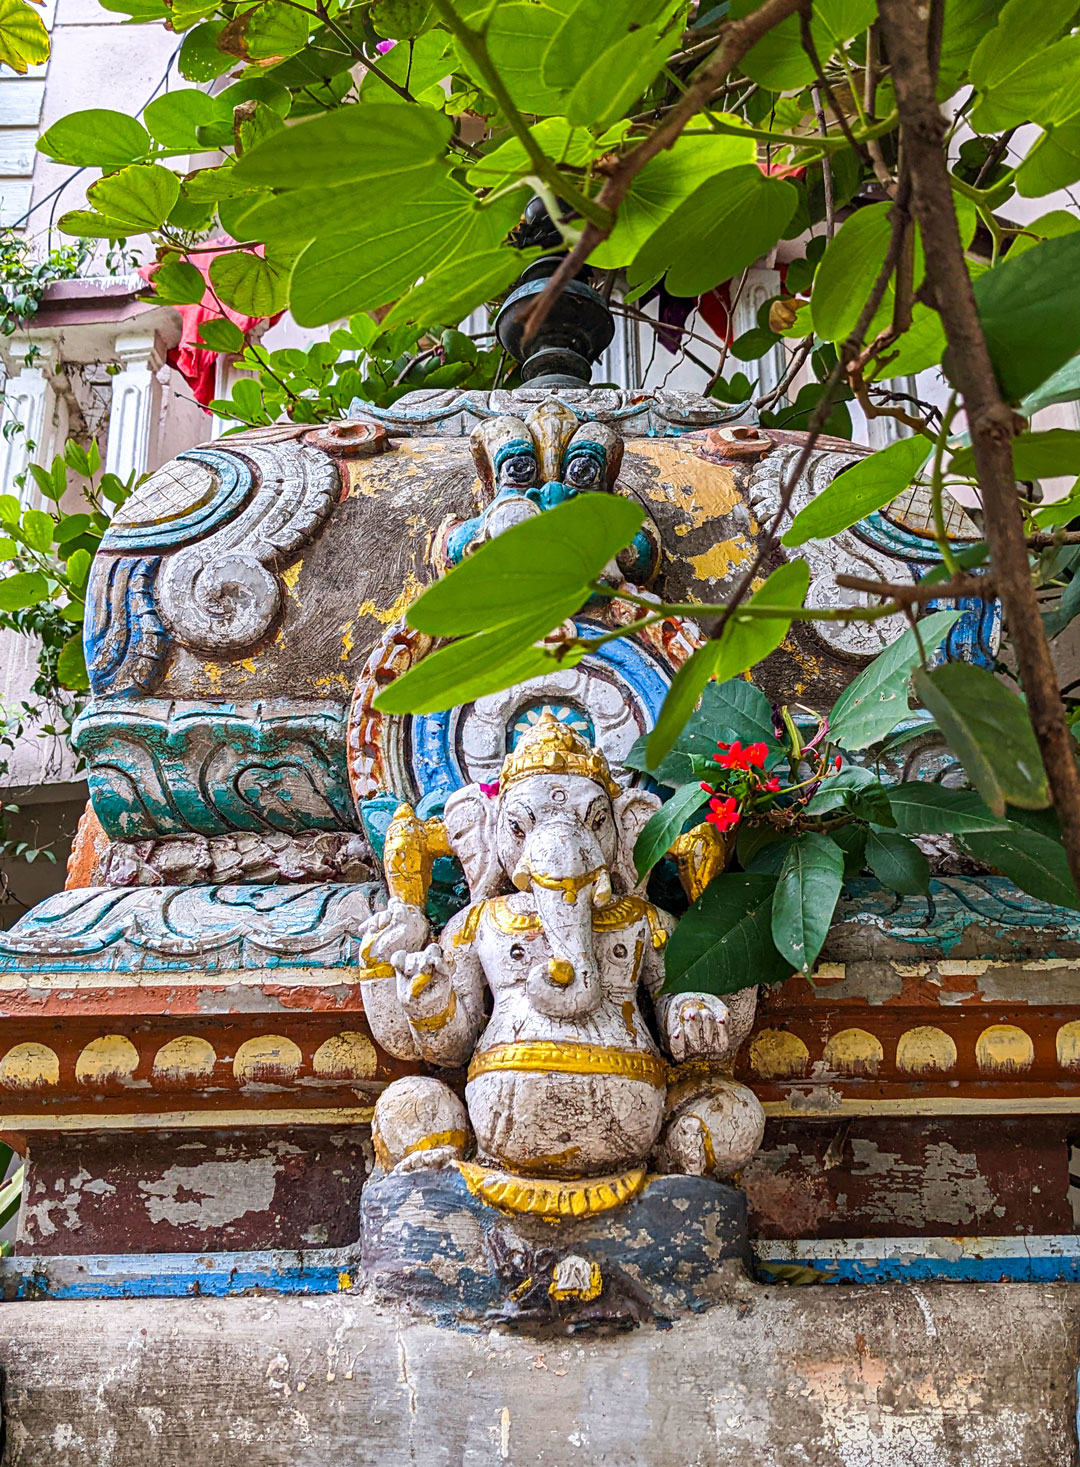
column 419, row 1122
column 712, row 1134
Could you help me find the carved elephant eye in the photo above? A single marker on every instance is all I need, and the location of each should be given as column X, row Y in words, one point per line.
column 599, row 820
column 516, row 828
column 582, row 471
column 518, row 470
column 517, row 952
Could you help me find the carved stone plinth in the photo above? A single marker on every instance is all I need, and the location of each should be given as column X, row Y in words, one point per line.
column 431, row 1241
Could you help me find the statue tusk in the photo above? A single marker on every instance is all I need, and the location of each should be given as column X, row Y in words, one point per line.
column 521, row 875
column 602, row 890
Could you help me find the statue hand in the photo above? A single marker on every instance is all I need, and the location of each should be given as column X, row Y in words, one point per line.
column 397, row 930
column 697, row 1025
column 424, row 981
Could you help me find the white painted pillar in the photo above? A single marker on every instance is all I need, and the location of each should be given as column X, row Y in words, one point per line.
column 131, row 415
column 28, row 401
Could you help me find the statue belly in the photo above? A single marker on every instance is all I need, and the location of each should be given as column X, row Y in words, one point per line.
column 553, row 1124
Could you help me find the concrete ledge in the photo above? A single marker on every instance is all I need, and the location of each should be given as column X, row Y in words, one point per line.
column 933, row 1375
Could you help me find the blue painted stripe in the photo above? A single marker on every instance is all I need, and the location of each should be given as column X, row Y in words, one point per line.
column 177, row 1275
column 1051, row 1258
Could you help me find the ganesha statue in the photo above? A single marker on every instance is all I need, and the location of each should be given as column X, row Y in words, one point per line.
column 548, row 986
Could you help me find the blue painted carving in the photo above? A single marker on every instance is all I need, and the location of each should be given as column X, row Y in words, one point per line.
column 162, row 768
column 124, row 639
column 187, row 929
column 435, row 763
column 574, row 717
column 975, row 636
column 218, row 499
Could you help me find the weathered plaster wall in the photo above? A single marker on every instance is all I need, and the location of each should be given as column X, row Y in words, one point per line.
column 899, row 1376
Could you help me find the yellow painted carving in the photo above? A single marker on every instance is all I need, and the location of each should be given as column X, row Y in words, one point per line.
column 345, row 1056
column 775, row 1054
column 291, row 574
column 552, row 1056
column 925, row 1048
column 397, row 609
column 112, row 1057
column 28, row 1065
column 1004, row 1048
column 701, row 489
column 585, row 1290
column 721, row 559
column 854, row 1051
column 551, row 1199
column 437, row 1021
column 185, row 1058
column 268, row 1057
column 1068, row 1045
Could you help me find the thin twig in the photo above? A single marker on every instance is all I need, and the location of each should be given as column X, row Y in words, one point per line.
column 959, row 588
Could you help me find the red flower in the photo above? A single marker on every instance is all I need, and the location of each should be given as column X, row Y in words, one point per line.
column 707, row 788
column 837, row 762
column 723, row 813
column 772, row 784
column 753, row 756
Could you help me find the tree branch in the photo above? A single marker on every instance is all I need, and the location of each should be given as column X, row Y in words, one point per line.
column 991, row 421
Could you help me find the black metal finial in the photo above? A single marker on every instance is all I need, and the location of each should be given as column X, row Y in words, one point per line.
column 578, row 327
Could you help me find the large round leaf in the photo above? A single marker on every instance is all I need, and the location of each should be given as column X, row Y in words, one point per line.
column 249, row 283
column 97, row 138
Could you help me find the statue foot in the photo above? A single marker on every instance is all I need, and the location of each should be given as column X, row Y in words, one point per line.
column 712, row 1132
column 419, row 1124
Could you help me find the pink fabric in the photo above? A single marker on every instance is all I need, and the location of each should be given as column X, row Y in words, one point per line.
column 198, row 367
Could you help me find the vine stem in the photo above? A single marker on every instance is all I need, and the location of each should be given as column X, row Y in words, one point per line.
column 992, row 422
column 937, row 490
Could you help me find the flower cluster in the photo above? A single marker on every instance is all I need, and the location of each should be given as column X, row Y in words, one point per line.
column 745, row 766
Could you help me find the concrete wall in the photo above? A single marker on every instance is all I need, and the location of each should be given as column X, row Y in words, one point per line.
column 940, row 1375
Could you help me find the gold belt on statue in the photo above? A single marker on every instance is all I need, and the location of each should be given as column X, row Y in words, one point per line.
column 551, row 1056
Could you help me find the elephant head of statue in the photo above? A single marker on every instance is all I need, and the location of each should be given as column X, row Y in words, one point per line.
column 558, row 827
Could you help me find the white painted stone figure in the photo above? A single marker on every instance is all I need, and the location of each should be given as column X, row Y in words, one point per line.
column 538, row 986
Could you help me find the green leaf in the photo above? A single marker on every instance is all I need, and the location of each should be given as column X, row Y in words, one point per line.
column 268, row 32
column 872, row 705
column 11, row 1195
column 618, row 76
column 931, row 809
column 806, row 895
column 350, row 145
column 848, row 270
column 357, row 272
column 78, row 568
column 1036, row 862
column 1044, row 89
column 220, row 335
column 655, row 840
column 856, row 492
column 1052, row 163
column 898, row 863
column 665, row 183
column 24, row 588
column 71, row 665
column 744, row 642
column 547, row 561
column 1030, row 313
column 473, row 667
column 10, row 508
column 518, row 35
column 177, row 283
column 1022, row 30
column 97, row 138
column 987, row 727
column 72, row 526
column 724, row 226
column 724, row 942
column 136, row 200
column 38, row 529
column 966, row 23
column 24, row 41
column 400, row 19
column 1043, row 455
column 778, row 62
column 200, row 60
column 250, row 283
column 451, row 291
column 173, row 119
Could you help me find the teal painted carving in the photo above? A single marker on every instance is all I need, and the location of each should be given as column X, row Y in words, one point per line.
column 199, row 929
column 183, row 501
column 162, row 768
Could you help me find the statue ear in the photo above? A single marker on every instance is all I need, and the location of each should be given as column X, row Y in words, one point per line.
column 470, row 830
column 632, row 810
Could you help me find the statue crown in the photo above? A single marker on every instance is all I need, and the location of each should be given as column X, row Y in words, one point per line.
column 550, row 747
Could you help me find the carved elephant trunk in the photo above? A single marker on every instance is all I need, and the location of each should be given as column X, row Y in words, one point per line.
column 564, row 869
